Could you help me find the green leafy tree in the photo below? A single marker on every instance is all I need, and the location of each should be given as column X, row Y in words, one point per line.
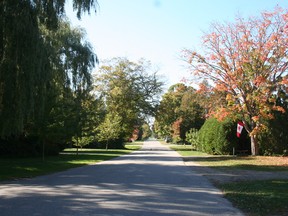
column 82, row 141
column 178, row 112
column 71, row 82
column 20, row 67
column 25, row 59
column 58, row 112
column 110, row 129
column 147, row 132
column 168, row 110
column 191, row 111
column 130, row 91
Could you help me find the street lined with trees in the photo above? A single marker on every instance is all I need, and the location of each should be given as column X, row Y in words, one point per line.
column 52, row 97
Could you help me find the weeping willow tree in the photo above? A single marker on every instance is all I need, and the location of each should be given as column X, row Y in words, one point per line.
column 27, row 66
column 20, row 65
column 71, row 61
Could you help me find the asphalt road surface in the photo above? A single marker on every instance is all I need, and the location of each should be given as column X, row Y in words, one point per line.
column 151, row 182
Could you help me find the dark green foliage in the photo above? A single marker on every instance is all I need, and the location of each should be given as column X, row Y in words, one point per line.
column 218, row 137
column 25, row 59
column 25, row 146
column 45, row 76
column 178, row 112
column 116, row 144
column 20, row 64
column 275, row 139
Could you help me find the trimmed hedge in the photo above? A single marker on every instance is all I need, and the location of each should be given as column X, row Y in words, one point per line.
column 28, row 146
column 218, row 137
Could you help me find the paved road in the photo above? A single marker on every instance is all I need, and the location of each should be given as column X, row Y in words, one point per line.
column 150, row 182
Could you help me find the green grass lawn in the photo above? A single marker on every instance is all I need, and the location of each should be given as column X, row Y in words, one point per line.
column 259, row 197
column 15, row 168
column 257, row 163
column 185, row 150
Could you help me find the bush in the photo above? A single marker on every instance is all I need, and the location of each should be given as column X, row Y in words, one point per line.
column 275, row 139
column 192, row 137
column 26, row 146
column 217, row 137
column 176, row 139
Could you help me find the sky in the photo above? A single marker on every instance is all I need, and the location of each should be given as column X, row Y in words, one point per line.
column 158, row 30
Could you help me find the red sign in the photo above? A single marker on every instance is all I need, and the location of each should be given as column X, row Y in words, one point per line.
column 240, row 126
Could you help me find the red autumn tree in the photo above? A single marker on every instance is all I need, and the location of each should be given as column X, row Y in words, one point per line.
column 248, row 60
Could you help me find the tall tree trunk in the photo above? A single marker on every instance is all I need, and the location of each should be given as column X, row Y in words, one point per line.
column 253, row 138
column 254, row 145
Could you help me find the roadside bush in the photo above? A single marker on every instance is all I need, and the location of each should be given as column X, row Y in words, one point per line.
column 217, row 137
column 26, row 146
column 113, row 144
column 192, row 137
column 176, row 139
column 274, row 141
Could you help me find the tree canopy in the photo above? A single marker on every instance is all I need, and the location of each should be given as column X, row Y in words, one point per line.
column 247, row 61
column 178, row 112
column 130, row 90
column 45, row 72
column 27, row 60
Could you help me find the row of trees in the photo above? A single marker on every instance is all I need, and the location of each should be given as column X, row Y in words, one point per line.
column 190, row 123
column 180, row 110
column 244, row 67
column 48, row 95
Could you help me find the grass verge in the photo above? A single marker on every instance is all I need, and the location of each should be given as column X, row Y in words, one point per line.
column 258, row 197
column 257, row 163
column 185, row 150
column 16, row 168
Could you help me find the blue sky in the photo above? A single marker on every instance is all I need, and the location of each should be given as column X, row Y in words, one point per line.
column 158, row 30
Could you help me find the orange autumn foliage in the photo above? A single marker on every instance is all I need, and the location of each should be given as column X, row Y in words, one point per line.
column 247, row 61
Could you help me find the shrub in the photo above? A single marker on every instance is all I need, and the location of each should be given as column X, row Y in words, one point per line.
column 176, row 139
column 26, row 146
column 192, row 137
column 275, row 139
column 217, row 137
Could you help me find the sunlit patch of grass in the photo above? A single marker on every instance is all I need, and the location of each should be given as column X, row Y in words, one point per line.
column 186, row 150
column 258, row 163
column 15, row 168
column 134, row 145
